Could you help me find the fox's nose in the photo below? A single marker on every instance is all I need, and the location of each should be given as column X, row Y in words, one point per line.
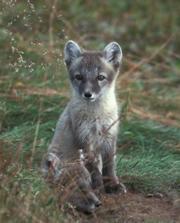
column 87, row 95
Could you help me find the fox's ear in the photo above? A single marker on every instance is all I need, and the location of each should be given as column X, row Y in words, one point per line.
column 71, row 52
column 113, row 54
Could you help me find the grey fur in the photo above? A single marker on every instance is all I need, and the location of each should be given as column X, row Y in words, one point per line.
column 75, row 186
column 85, row 123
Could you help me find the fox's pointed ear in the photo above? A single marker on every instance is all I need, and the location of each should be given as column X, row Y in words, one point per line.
column 113, row 54
column 71, row 52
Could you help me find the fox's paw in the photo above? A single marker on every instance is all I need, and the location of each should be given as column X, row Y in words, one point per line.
column 112, row 185
column 50, row 165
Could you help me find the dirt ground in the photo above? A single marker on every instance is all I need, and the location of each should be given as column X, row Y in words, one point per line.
column 135, row 208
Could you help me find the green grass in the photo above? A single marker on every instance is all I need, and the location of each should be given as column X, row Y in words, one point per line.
column 32, row 66
column 150, row 161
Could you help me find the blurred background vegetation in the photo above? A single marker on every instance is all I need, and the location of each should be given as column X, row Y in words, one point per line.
column 34, row 90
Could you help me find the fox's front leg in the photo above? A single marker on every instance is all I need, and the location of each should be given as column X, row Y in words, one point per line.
column 110, row 179
column 94, row 165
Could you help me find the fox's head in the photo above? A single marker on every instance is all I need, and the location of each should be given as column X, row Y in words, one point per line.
column 92, row 74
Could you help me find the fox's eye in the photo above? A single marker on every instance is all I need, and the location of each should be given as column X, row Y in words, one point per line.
column 79, row 77
column 101, row 77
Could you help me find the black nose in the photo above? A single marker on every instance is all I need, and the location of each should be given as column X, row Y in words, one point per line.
column 87, row 95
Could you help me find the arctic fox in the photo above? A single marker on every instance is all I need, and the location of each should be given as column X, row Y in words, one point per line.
column 90, row 120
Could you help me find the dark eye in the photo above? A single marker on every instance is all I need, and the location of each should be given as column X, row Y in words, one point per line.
column 79, row 77
column 101, row 77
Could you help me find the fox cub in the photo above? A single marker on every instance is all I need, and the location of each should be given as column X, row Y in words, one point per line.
column 75, row 188
column 90, row 120
column 72, row 184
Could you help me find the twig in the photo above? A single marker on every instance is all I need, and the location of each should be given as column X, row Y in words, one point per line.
column 112, row 124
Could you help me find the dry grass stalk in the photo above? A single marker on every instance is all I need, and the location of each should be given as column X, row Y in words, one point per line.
column 144, row 61
column 154, row 117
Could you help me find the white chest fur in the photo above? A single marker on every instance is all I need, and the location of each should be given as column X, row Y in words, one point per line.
column 93, row 123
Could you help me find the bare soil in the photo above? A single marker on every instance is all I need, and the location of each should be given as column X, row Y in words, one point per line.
column 134, row 208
